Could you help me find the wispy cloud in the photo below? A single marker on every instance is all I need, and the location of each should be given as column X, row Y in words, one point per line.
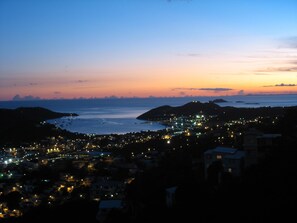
column 111, row 97
column 285, row 85
column 193, row 55
column 281, row 85
column 262, row 73
column 57, row 92
column 218, row 89
column 185, row 89
column 25, row 98
column 241, row 92
column 289, row 42
column 279, row 69
column 190, row 54
column 293, row 62
column 81, row 81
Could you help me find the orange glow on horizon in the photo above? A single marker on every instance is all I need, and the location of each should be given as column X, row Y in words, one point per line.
column 177, row 80
column 145, row 91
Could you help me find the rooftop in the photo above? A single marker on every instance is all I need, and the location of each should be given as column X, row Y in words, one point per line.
column 109, row 204
column 225, row 150
column 171, row 189
column 267, row 136
column 237, row 155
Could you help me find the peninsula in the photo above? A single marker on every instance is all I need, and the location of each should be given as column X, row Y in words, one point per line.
column 26, row 124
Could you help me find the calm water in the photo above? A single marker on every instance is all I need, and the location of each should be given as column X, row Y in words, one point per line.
column 105, row 116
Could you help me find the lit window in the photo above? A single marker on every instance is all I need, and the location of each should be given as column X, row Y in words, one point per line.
column 219, row 157
column 230, row 170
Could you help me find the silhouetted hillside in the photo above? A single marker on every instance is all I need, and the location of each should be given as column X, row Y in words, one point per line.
column 24, row 124
column 35, row 114
column 210, row 108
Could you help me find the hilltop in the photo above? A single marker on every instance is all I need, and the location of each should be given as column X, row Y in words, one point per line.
column 34, row 114
column 210, row 109
column 25, row 124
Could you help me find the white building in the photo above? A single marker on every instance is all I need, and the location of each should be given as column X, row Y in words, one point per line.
column 232, row 160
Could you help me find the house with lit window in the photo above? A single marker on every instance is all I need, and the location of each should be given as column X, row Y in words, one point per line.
column 230, row 160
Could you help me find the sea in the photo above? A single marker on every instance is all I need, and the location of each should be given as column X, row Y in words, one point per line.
column 118, row 115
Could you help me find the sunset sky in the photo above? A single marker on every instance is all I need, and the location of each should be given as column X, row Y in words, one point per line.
column 142, row 48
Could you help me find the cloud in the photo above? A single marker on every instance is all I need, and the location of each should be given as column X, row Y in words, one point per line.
column 262, row 74
column 189, row 54
column 32, row 84
column 292, row 61
column 241, row 92
column 193, row 55
column 17, row 97
column 111, row 97
column 57, row 92
column 81, row 81
column 185, row 89
column 289, row 42
column 215, row 89
column 281, row 85
column 285, row 85
column 25, row 98
column 218, row 89
column 182, row 93
column 279, row 69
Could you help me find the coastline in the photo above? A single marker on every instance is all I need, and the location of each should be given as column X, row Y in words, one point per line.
column 108, row 116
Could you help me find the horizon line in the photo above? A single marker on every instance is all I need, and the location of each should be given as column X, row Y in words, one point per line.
column 135, row 97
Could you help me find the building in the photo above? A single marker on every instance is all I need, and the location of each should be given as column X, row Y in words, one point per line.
column 250, row 146
column 106, row 206
column 256, row 145
column 170, row 196
column 229, row 160
column 268, row 142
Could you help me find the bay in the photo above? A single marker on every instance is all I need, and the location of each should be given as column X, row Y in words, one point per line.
column 118, row 116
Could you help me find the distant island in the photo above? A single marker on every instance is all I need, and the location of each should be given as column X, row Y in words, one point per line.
column 251, row 103
column 26, row 124
column 220, row 100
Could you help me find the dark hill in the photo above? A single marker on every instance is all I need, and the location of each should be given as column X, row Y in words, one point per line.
column 35, row 114
column 164, row 112
column 210, row 108
column 23, row 124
